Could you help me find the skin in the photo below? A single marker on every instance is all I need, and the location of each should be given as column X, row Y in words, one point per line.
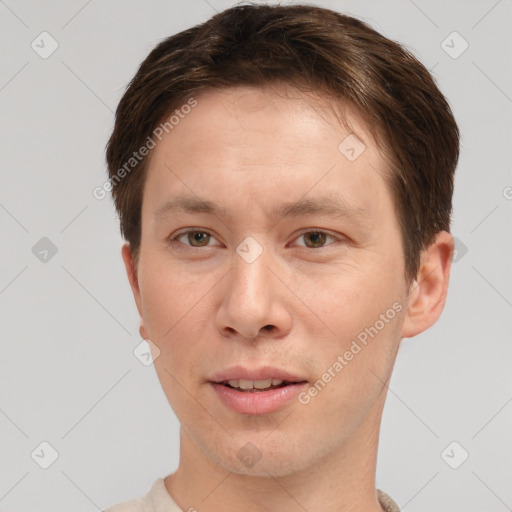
column 250, row 150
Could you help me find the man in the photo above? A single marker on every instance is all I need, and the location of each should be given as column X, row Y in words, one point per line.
column 283, row 177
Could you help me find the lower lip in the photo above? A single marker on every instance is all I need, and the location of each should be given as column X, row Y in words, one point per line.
column 258, row 402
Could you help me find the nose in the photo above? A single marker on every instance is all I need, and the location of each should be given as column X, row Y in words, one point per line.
column 255, row 303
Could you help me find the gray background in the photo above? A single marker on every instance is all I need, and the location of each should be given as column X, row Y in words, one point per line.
column 68, row 375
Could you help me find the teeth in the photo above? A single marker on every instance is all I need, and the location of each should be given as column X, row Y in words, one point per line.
column 262, row 384
column 257, row 384
column 245, row 384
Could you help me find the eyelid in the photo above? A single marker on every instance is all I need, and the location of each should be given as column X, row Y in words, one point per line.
column 174, row 237
column 313, row 230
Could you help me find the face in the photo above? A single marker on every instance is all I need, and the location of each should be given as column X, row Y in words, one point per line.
column 269, row 252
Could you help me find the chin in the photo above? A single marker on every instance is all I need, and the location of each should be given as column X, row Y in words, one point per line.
column 260, row 457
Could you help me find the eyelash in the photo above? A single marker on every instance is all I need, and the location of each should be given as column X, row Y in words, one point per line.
column 173, row 240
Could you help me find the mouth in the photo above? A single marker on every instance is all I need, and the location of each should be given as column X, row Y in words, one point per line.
column 258, row 386
column 256, row 391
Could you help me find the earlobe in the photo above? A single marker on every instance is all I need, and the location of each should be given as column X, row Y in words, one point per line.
column 131, row 272
column 427, row 295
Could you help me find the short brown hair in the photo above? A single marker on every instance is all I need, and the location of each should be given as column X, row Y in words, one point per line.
column 311, row 48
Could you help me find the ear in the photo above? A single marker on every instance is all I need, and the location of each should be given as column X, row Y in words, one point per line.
column 427, row 294
column 133, row 278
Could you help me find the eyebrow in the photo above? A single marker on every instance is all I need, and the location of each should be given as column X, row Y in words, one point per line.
column 325, row 205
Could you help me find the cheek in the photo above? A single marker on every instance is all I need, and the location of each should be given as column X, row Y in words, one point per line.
column 352, row 296
column 361, row 313
column 175, row 311
column 168, row 296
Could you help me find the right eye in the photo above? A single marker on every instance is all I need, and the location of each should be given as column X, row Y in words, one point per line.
column 193, row 238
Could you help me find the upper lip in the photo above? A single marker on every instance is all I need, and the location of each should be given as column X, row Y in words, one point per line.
column 263, row 373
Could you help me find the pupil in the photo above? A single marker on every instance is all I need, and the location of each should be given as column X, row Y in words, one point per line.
column 198, row 236
column 317, row 238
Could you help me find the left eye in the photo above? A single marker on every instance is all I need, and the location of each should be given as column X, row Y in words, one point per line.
column 313, row 239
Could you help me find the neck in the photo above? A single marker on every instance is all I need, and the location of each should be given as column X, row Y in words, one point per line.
column 344, row 481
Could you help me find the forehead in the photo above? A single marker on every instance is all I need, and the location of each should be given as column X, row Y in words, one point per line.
column 278, row 143
column 278, row 108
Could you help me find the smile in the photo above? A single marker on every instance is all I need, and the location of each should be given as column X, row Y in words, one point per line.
column 256, row 385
